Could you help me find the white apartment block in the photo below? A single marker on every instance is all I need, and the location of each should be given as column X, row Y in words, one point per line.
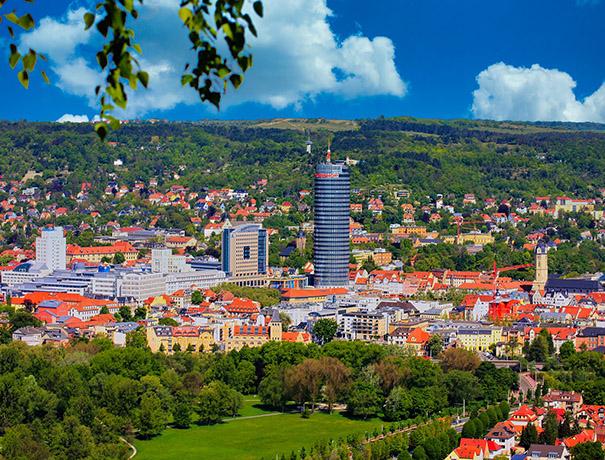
column 51, row 248
column 164, row 261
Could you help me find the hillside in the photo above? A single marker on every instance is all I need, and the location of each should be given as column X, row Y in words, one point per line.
column 426, row 156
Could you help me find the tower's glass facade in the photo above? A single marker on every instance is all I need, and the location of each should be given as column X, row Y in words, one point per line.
column 331, row 245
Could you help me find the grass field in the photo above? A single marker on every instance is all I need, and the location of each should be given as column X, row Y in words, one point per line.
column 264, row 436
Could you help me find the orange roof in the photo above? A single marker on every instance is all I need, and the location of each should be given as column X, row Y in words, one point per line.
column 119, row 246
column 296, row 337
column 584, row 436
column 245, row 306
column 178, row 239
column 418, row 336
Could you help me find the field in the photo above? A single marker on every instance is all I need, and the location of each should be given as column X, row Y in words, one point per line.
column 263, row 436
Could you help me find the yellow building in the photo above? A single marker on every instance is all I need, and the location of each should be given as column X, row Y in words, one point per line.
column 414, row 230
column 479, row 339
column 193, row 338
column 96, row 254
column 473, row 238
column 236, row 337
column 382, row 257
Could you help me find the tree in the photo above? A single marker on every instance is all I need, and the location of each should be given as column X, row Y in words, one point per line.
column 272, row 389
column 391, row 372
column 364, row 400
column 152, row 417
column 587, row 451
column 19, row 442
column 435, row 345
column 104, row 310
column 118, row 258
column 181, row 413
column 469, row 429
column 215, row 401
column 398, row 405
column 529, row 436
column 460, row 359
column 217, row 38
column 369, row 265
column 420, row 454
column 551, row 429
column 324, row 330
column 304, row 382
column 168, row 322
column 22, row 318
column 137, row 338
column 196, row 297
column 335, row 378
column 125, row 313
column 567, row 350
column 461, row 385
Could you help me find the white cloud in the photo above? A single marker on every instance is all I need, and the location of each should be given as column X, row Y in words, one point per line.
column 533, row 94
column 296, row 58
column 69, row 118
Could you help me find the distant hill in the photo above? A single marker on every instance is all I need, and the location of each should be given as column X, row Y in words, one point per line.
column 427, row 156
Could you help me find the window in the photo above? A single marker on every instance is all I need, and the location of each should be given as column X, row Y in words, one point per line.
column 246, row 252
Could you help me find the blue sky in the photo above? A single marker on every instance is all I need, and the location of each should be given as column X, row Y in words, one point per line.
column 497, row 59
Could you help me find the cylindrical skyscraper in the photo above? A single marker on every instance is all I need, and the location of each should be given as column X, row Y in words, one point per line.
column 331, row 245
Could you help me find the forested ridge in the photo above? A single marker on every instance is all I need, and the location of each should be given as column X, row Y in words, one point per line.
column 425, row 156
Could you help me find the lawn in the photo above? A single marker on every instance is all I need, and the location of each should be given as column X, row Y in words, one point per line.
column 250, row 438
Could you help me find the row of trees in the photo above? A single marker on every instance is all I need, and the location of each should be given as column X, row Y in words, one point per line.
column 396, row 386
column 419, row 441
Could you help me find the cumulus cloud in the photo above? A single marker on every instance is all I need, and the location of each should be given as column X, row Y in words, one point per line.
column 533, row 94
column 296, row 58
column 70, row 118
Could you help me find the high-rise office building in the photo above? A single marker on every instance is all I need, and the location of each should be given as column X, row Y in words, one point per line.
column 245, row 254
column 331, row 237
column 51, row 248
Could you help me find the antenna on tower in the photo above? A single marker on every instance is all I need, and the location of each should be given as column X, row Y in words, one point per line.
column 309, row 143
column 328, row 153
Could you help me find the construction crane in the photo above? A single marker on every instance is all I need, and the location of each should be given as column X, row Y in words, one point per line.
column 460, row 221
column 496, row 272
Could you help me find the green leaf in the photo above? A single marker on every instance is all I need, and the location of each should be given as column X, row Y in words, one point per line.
column 214, row 98
column 185, row 14
column 101, row 130
column 89, row 20
column 236, row 80
column 186, row 79
column 11, row 32
column 23, row 77
column 143, row 78
column 137, row 48
column 45, row 77
column 29, row 60
column 26, row 21
column 102, row 59
column 258, row 8
column 14, row 56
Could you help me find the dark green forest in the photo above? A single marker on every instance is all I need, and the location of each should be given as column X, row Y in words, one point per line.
column 425, row 156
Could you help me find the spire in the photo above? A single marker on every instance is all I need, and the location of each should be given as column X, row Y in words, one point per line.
column 328, row 154
column 309, row 143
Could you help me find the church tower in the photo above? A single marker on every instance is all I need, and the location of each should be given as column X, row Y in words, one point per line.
column 541, row 266
column 275, row 326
